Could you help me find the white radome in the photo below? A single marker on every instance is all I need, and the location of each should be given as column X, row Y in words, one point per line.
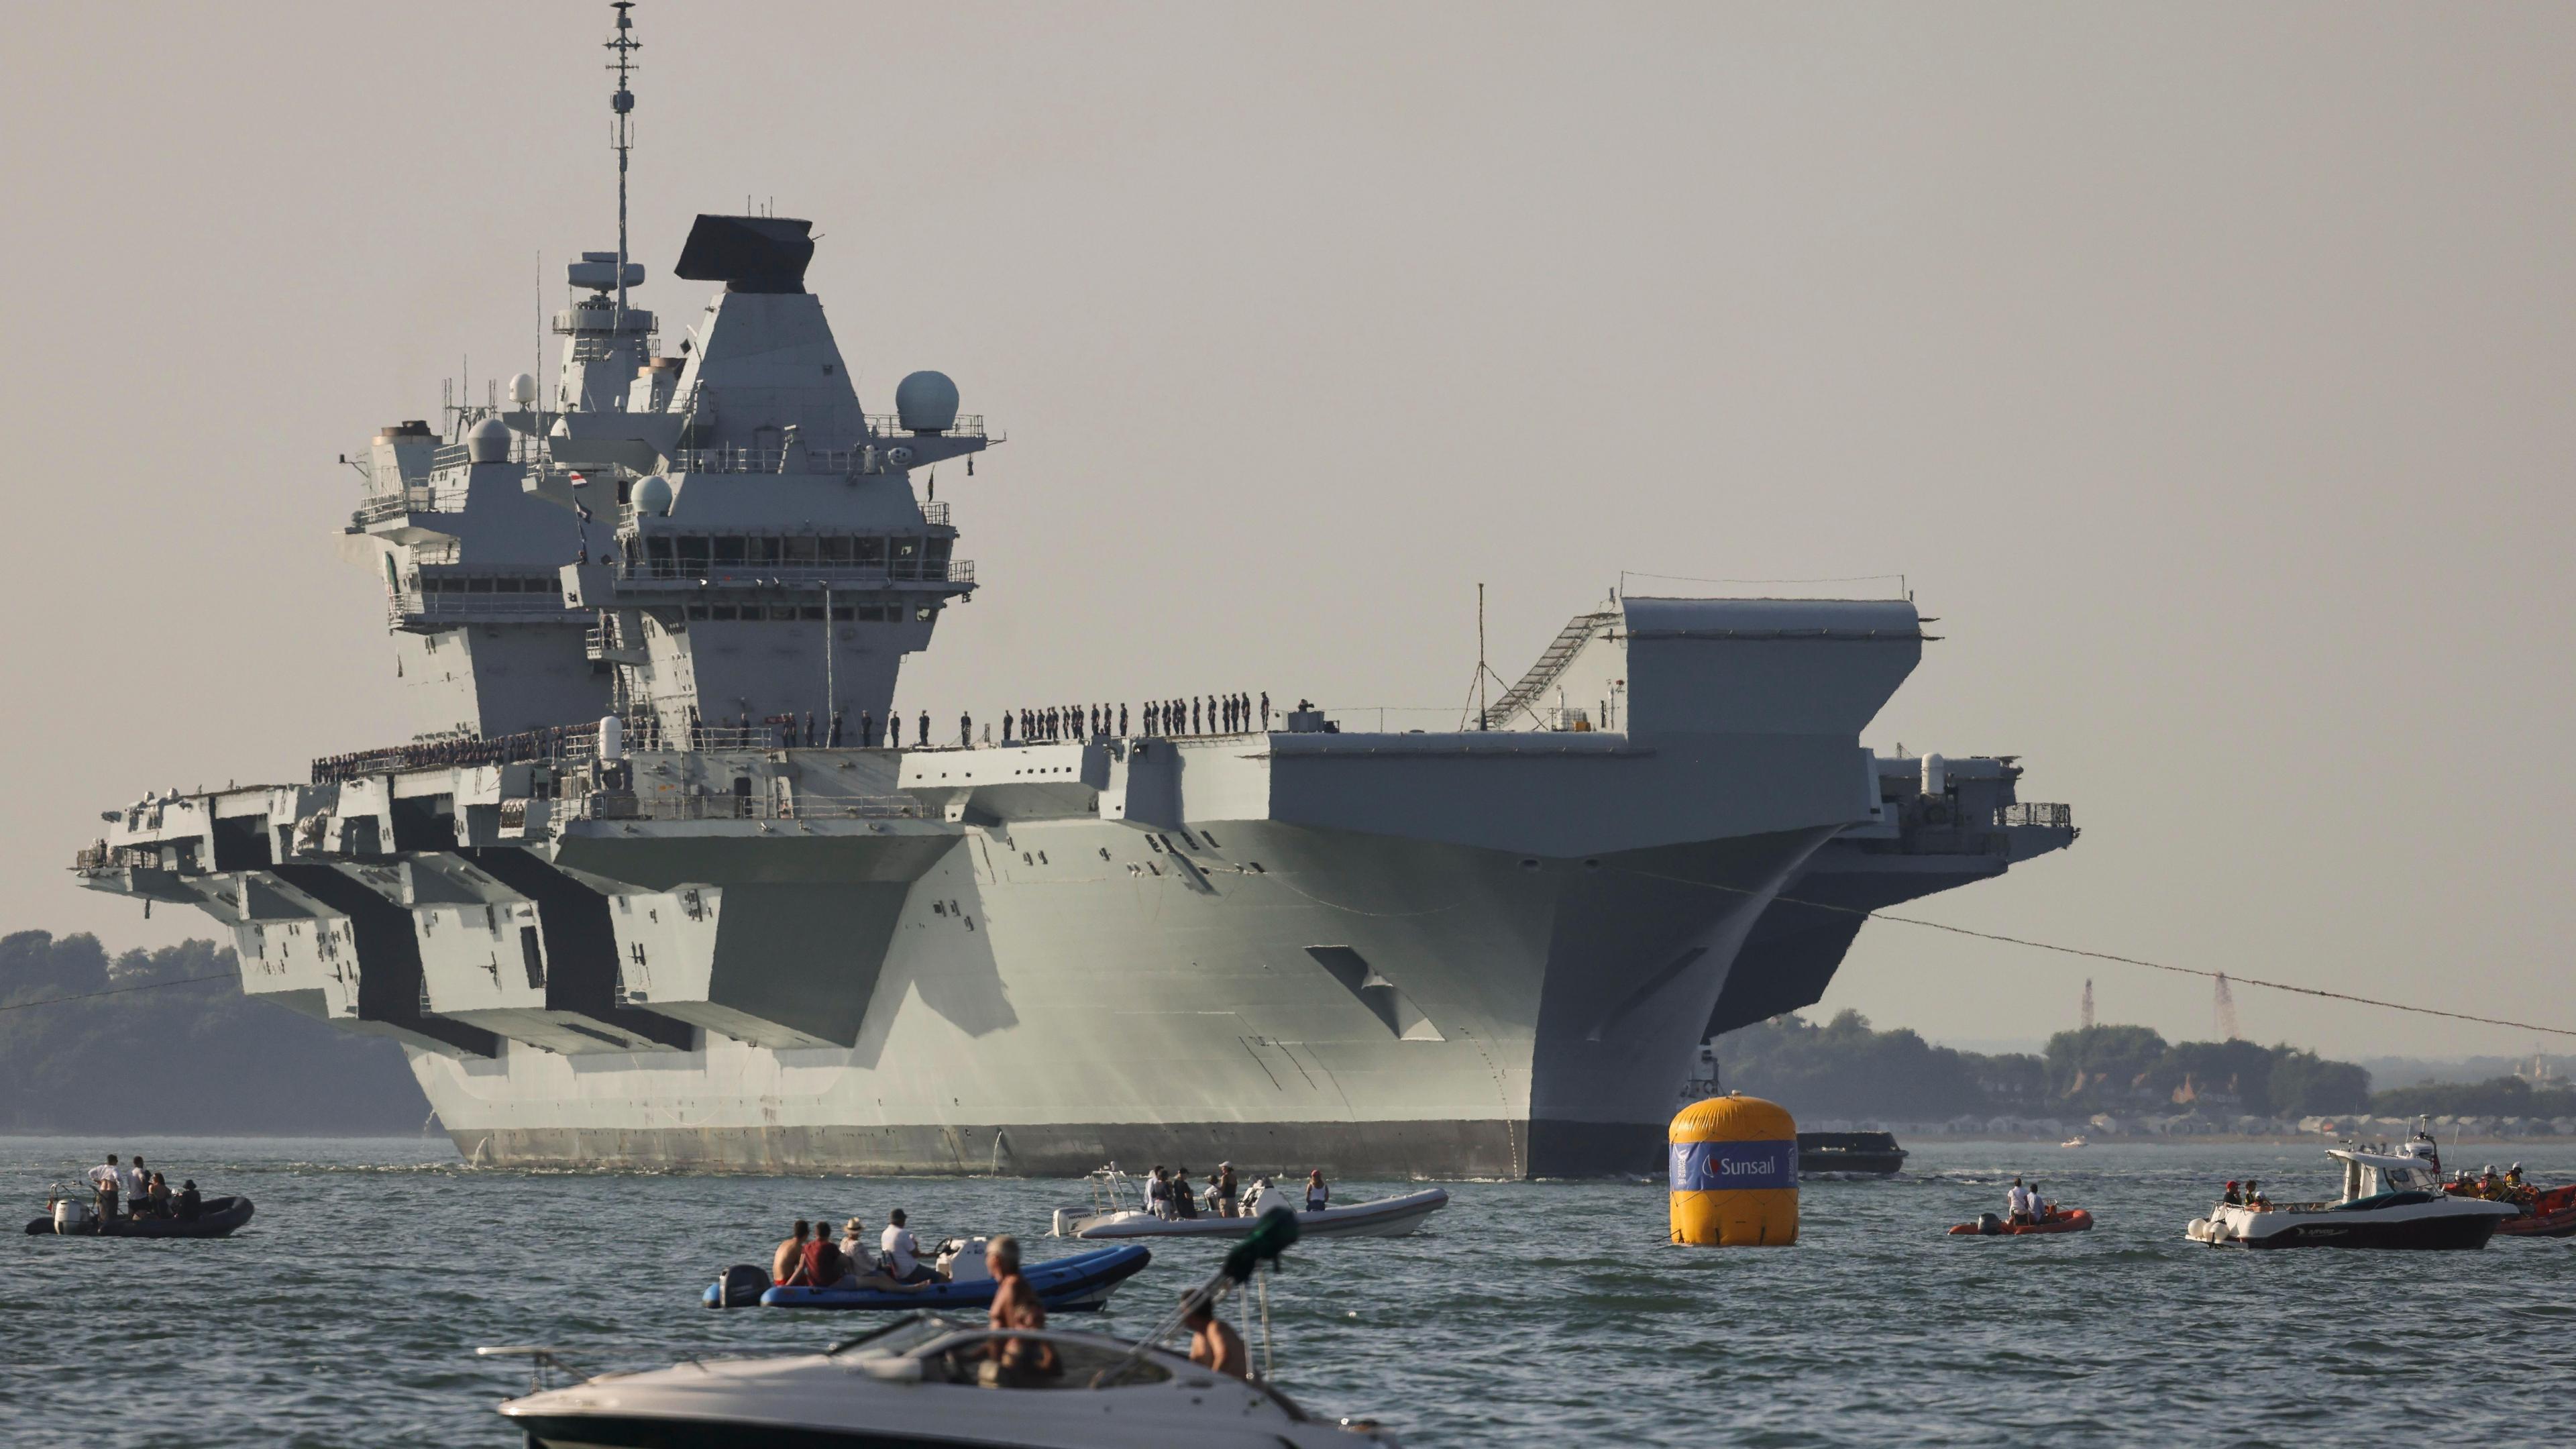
column 488, row 442
column 926, row 402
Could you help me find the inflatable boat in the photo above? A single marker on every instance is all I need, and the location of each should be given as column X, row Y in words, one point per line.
column 2061, row 1220
column 217, row 1217
column 1075, row 1284
column 1110, row 1216
column 2547, row 1213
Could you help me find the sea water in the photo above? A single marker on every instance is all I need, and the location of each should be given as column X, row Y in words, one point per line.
column 348, row 1312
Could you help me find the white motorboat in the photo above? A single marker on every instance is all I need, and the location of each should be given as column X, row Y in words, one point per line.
column 1116, row 1211
column 926, row 1380
column 2392, row 1198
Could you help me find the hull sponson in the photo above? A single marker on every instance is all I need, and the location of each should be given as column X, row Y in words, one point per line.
column 1058, row 994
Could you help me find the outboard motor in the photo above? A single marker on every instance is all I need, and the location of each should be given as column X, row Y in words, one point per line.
column 741, row 1285
column 73, row 1215
column 1989, row 1225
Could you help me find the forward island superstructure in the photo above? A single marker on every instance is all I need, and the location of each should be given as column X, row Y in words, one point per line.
column 655, row 884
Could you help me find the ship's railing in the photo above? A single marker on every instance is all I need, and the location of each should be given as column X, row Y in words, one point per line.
column 621, row 805
column 755, row 575
column 890, row 426
column 935, row 514
column 578, row 744
column 841, row 461
column 2055, row 817
column 562, row 743
column 414, row 499
column 447, row 610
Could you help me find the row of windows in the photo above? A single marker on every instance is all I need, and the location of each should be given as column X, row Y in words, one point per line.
column 844, row 613
column 452, row 584
column 811, row 550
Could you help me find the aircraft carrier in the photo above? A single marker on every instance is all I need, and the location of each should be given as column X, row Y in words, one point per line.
column 658, row 881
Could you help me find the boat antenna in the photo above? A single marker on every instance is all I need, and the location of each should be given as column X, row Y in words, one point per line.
column 623, row 45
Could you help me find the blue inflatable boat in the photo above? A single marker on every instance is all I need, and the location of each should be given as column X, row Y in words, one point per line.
column 1076, row 1284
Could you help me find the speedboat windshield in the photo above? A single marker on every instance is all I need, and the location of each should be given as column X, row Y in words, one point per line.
column 901, row 1336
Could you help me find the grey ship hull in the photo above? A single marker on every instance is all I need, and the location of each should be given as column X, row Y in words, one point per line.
column 1065, row 1015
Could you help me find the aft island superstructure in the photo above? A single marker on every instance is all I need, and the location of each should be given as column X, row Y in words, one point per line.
column 653, row 884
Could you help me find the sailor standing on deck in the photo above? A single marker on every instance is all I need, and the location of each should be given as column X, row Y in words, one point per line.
column 2017, row 1203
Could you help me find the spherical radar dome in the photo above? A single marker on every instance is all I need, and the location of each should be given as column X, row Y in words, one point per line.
column 653, row 497
column 488, row 442
column 926, row 402
column 523, row 389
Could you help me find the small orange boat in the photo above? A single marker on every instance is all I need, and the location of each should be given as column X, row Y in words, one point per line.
column 2550, row 1213
column 2059, row 1220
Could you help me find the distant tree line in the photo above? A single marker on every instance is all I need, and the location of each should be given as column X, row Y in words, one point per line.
column 1844, row 1068
column 2495, row 1097
column 179, row 1060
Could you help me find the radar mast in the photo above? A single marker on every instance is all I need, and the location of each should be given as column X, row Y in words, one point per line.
column 623, row 45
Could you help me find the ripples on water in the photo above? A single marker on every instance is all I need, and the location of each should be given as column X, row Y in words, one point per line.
column 1529, row 1313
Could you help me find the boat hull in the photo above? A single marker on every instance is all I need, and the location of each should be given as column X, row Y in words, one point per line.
column 1392, row 1217
column 2435, row 1231
column 1370, row 1006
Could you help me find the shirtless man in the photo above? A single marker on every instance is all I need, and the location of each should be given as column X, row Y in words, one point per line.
column 1015, row 1305
column 1213, row 1342
column 791, row 1252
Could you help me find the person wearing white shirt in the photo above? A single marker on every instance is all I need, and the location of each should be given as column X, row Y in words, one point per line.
column 107, row 1181
column 903, row 1263
column 2017, row 1203
column 137, row 1181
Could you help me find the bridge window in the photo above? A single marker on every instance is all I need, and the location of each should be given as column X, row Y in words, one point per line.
column 868, row 552
column 697, row 611
column 478, row 586
column 761, row 550
column 841, row 613
column 724, row 611
column 729, row 550
column 800, row 550
column 693, row 552
column 833, row 550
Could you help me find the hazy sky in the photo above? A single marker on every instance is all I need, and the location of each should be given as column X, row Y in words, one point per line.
column 2205, row 369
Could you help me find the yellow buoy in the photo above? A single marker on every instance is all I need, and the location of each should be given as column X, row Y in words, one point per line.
column 1735, row 1174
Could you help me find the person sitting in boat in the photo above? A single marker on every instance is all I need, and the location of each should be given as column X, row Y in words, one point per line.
column 1016, row 1362
column 2254, row 1197
column 2232, row 1198
column 1318, row 1196
column 902, row 1261
column 791, row 1251
column 1213, row 1342
column 818, row 1264
column 2513, row 1176
column 156, row 1198
column 1251, row 1207
column 854, row 1246
column 2017, row 1204
column 190, row 1206
column 2039, row 1209
column 1185, row 1202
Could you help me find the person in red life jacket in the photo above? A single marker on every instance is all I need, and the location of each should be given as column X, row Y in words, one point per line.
column 818, row 1265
